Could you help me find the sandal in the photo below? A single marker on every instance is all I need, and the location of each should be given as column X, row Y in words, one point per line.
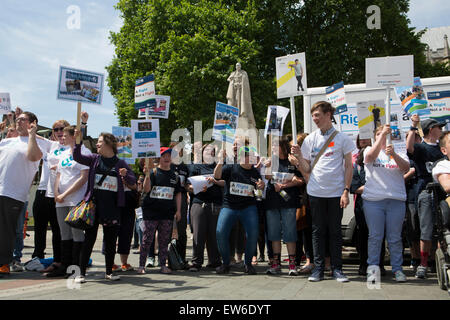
column 165, row 270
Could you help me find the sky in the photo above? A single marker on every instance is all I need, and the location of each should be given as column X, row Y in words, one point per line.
column 35, row 40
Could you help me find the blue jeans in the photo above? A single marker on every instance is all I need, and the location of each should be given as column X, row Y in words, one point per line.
column 227, row 218
column 380, row 215
column 18, row 247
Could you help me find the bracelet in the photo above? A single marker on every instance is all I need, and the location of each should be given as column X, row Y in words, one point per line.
column 413, row 128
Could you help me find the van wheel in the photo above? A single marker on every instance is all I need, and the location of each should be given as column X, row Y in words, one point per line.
column 440, row 260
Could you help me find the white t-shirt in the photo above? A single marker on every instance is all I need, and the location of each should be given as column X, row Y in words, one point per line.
column 53, row 158
column 440, row 168
column 16, row 171
column 70, row 172
column 384, row 180
column 327, row 178
column 45, row 174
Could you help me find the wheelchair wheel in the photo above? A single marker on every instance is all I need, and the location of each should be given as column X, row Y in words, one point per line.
column 440, row 260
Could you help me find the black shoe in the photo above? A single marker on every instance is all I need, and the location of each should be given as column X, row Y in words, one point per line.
column 382, row 271
column 249, row 269
column 57, row 272
column 213, row 265
column 261, row 259
column 362, row 270
column 195, row 268
column 135, row 246
column 223, row 269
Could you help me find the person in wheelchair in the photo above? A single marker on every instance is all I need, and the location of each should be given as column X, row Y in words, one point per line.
column 441, row 174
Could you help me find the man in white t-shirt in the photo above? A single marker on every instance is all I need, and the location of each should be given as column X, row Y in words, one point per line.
column 327, row 188
column 19, row 158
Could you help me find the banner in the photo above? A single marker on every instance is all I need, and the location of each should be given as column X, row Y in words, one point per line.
column 413, row 99
column 225, row 122
column 371, row 115
column 276, row 115
column 144, row 92
column 291, row 75
column 5, row 103
column 336, row 96
column 389, row 71
column 80, row 85
column 160, row 110
column 145, row 138
column 439, row 103
column 123, row 136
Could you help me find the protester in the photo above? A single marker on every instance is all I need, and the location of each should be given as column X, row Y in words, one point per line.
column 421, row 153
column 19, row 157
column 69, row 189
column 282, row 201
column 206, row 206
column 239, row 203
column 384, row 199
column 441, row 172
column 107, row 175
column 328, row 186
column 161, row 204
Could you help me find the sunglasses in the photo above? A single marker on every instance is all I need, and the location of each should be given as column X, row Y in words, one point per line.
column 58, row 129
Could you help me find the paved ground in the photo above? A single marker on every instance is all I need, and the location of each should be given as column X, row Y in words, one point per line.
column 207, row 285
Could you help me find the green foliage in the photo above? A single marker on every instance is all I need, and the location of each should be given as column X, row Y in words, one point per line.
column 191, row 46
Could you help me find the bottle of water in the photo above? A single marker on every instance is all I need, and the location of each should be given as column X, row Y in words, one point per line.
column 284, row 195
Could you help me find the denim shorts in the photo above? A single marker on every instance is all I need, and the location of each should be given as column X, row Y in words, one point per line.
column 281, row 224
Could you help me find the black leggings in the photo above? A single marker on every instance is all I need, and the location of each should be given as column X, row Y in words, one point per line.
column 109, row 240
column 126, row 228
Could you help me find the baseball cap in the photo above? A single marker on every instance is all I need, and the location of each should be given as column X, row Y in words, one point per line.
column 164, row 150
column 429, row 124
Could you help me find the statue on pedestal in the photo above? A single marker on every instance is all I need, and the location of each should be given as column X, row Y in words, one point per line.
column 238, row 96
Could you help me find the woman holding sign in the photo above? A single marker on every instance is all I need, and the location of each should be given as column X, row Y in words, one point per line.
column 384, row 198
column 239, row 203
column 282, row 201
column 107, row 176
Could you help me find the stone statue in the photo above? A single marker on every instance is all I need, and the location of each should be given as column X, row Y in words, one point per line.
column 238, row 96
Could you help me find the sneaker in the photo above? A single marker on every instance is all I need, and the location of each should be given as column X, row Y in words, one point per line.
column 112, row 277
column 261, row 259
column 150, row 262
column 293, row 270
column 165, row 270
column 223, row 269
column 307, row 269
column 421, row 272
column 274, row 269
column 126, row 267
column 16, row 266
column 141, row 270
column 317, row 275
column 249, row 269
column 399, row 276
column 195, row 268
column 115, row 267
column 339, row 276
column 4, row 269
column 80, row 279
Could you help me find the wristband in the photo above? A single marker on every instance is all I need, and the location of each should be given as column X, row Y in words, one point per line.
column 347, row 189
column 413, row 128
column 84, row 123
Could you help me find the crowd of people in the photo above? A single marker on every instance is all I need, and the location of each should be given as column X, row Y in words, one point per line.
column 295, row 197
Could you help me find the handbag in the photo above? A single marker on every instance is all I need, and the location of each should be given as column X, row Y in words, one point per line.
column 82, row 216
column 175, row 260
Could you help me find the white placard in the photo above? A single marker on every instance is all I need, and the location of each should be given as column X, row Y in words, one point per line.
column 395, row 71
column 276, row 116
column 199, row 182
column 80, row 85
column 5, row 103
column 291, row 75
column 145, row 138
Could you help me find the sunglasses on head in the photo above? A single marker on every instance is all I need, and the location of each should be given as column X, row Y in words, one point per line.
column 58, row 129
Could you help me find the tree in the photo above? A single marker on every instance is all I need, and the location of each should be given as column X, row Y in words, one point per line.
column 192, row 46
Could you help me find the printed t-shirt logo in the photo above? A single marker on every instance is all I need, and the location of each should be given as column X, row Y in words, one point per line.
column 165, row 193
column 109, row 184
column 67, row 162
column 241, row 189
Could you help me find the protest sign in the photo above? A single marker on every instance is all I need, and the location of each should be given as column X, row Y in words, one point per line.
column 159, row 110
column 144, row 92
column 371, row 114
column 413, row 99
column 276, row 116
column 80, row 85
column 145, row 138
column 199, row 182
column 439, row 103
column 291, row 75
column 123, row 136
column 336, row 96
column 389, row 71
column 225, row 122
column 5, row 103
